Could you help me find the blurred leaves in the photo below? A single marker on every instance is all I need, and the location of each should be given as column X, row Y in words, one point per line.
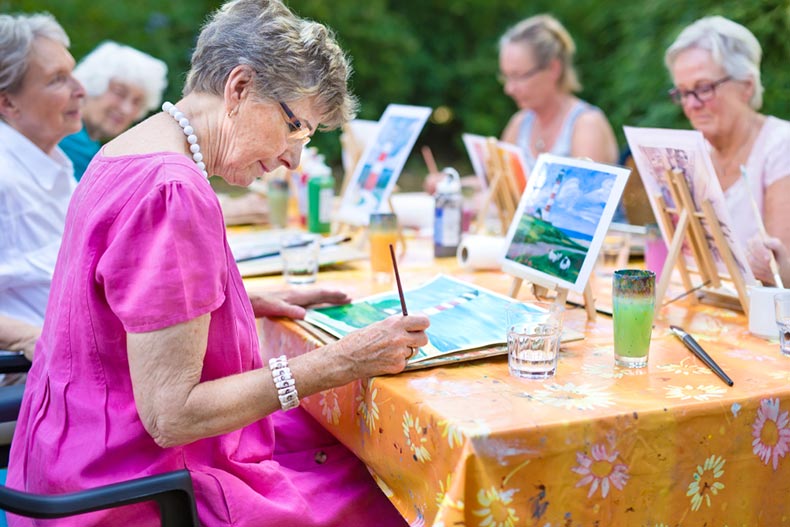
column 444, row 52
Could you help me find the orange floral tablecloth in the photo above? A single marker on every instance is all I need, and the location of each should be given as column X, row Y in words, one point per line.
column 597, row 445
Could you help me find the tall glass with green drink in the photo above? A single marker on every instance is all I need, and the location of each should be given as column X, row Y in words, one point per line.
column 633, row 304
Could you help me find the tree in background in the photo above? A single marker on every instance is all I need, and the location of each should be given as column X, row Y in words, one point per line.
column 443, row 53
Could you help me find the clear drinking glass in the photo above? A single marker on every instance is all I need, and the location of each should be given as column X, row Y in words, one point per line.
column 782, row 309
column 299, row 254
column 382, row 231
column 533, row 339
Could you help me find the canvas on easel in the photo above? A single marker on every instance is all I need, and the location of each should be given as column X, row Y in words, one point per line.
column 354, row 139
column 689, row 205
column 381, row 163
column 477, row 150
column 502, row 169
column 560, row 224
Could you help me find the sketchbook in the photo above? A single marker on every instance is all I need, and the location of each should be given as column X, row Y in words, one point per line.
column 257, row 253
column 467, row 321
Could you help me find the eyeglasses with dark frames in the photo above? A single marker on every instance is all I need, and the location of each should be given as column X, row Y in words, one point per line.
column 519, row 77
column 297, row 133
column 703, row 93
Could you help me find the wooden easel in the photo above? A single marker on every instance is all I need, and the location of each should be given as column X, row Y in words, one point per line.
column 540, row 291
column 689, row 228
column 502, row 189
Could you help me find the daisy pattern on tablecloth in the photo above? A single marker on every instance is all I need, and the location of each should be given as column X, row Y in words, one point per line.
column 573, row 397
column 704, row 484
column 600, row 470
column 780, row 375
column 494, row 508
column 453, row 433
column 701, row 392
column 771, row 432
column 443, row 499
column 330, row 406
column 745, row 354
column 686, row 366
column 386, row 489
column 415, row 438
column 367, row 407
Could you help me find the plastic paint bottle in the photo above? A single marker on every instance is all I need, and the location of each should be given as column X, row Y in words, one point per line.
column 278, row 202
column 447, row 215
column 320, row 195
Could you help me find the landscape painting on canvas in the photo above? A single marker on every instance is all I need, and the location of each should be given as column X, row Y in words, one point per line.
column 655, row 152
column 381, row 163
column 561, row 221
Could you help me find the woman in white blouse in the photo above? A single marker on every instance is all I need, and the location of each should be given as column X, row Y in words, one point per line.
column 715, row 66
column 39, row 105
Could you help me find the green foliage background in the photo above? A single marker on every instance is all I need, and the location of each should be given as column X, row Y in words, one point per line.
column 443, row 53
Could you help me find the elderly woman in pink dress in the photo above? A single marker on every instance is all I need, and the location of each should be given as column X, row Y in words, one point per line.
column 715, row 66
column 149, row 358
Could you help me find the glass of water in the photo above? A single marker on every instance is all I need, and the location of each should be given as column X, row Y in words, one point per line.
column 533, row 339
column 782, row 308
column 299, row 254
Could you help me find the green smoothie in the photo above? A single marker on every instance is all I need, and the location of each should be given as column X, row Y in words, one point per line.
column 633, row 323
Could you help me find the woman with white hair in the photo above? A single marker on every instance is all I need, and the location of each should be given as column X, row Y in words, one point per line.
column 39, row 105
column 122, row 85
column 715, row 66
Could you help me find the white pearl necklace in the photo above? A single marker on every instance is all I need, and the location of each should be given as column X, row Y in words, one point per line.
column 183, row 122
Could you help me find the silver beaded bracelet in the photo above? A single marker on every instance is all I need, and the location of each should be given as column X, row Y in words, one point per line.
column 284, row 382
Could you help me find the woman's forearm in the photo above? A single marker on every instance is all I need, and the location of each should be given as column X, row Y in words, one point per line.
column 177, row 408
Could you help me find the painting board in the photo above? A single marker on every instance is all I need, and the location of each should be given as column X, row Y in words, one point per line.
column 656, row 151
column 561, row 221
column 381, row 163
column 477, row 150
column 513, row 157
column 449, row 303
column 257, row 252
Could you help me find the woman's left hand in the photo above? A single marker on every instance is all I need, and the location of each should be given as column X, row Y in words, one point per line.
column 291, row 303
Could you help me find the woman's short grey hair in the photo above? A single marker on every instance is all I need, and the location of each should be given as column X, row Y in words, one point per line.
column 732, row 46
column 113, row 61
column 17, row 33
column 548, row 40
column 293, row 58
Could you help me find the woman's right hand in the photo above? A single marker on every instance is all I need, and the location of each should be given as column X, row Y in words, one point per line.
column 759, row 253
column 381, row 348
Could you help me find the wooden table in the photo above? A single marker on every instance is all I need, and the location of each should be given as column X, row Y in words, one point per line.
column 596, row 445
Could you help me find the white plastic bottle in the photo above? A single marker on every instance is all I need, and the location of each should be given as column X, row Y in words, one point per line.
column 447, row 215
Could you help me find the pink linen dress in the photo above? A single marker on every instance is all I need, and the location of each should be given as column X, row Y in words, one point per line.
column 144, row 248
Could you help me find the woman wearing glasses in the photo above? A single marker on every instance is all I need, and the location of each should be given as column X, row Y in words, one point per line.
column 149, row 358
column 536, row 69
column 715, row 66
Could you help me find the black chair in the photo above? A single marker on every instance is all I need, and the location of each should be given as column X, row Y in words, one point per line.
column 10, row 396
column 172, row 491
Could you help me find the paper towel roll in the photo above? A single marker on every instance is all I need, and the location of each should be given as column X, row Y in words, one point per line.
column 477, row 252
